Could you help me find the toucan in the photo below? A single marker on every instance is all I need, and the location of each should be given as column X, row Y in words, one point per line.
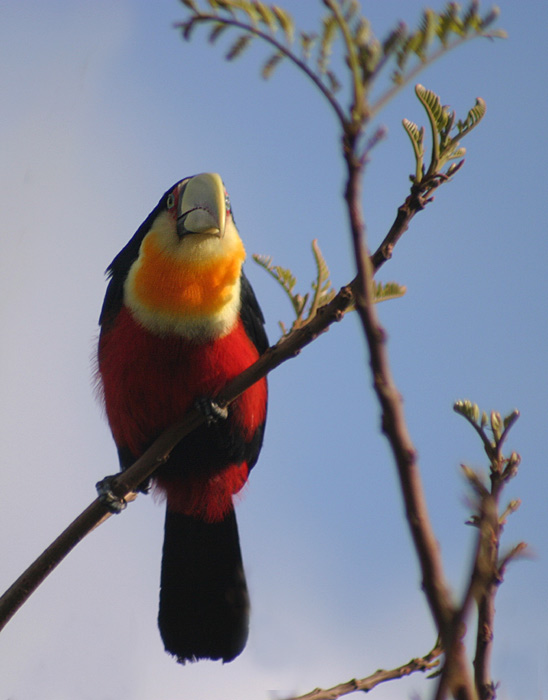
column 179, row 320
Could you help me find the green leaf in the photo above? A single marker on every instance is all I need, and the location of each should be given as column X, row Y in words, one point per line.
column 445, row 143
column 285, row 279
column 334, row 83
column 472, row 19
column 267, row 15
column 416, row 137
column 450, row 146
column 431, row 102
column 216, row 32
column 271, row 64
column 413, row 45
column 370, row 56
column 490, row 18
column 326, row 42
column 187, row 29
column 428, row 28
column 473, row 118
column 388, row 290
column 226, row 5
column 239, row 46
column 394, row 40
column 307, row 44
column 323, row 290
column 362, row 32
column 450, row 23
column 415, row 134
column 459, row 153
column 286, row 23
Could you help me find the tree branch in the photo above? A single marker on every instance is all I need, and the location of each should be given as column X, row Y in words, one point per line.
column 278, row 45
column 487, row 570
column 425, row 663
column 456, row 672
column 129, row 480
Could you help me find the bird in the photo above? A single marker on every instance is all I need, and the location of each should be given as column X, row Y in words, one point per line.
column 179, row 320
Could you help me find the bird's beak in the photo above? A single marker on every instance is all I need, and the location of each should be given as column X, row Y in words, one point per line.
column 202, row 206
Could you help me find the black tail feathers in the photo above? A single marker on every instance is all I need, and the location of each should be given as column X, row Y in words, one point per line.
column 204, row 604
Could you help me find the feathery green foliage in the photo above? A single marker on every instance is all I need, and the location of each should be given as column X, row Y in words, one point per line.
column 287, row 282
column 343, row 28
column 322, row 288
column 386, row 291
column 346, row 33
column 493, row 431
column 445, row 145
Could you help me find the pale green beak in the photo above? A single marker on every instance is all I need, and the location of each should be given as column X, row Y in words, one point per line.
column 202, row 207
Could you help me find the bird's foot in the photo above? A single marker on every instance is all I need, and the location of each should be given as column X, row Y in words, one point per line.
column 211, row 410
column 145, row 486
column 114, row 503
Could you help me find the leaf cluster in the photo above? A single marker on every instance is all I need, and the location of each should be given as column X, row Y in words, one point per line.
column 446, row 135
column 306, row 306
column 446, row 27
column 493, row 430
column 343, row 24
column 496, row 425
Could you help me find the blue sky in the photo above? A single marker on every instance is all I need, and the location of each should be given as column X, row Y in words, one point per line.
column 104, row 107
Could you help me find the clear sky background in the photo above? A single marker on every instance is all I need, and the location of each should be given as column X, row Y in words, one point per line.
column 103, row 108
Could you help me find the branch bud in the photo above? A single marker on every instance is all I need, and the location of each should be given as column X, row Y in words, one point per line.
column 496, row 424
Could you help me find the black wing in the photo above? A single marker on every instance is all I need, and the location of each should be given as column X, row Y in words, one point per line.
column 118, row 269
column 252, row 316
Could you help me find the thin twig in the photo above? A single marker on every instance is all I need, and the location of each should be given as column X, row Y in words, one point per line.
column 382, row 101
column 484, row 644
column 357, row 107
column 279, row 46
column 487, row 578
column 488, row 570
column 456, row 673
column 424, row 663
column 414, row 203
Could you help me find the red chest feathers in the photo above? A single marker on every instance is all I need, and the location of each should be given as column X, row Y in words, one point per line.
column 149, row 381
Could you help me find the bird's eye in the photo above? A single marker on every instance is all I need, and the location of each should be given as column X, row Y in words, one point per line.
column 170, row 201
column 227, row 203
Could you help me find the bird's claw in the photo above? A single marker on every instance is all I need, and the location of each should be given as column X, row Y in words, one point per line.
column 211, row 410
column 145, row 487
column 110, row 500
